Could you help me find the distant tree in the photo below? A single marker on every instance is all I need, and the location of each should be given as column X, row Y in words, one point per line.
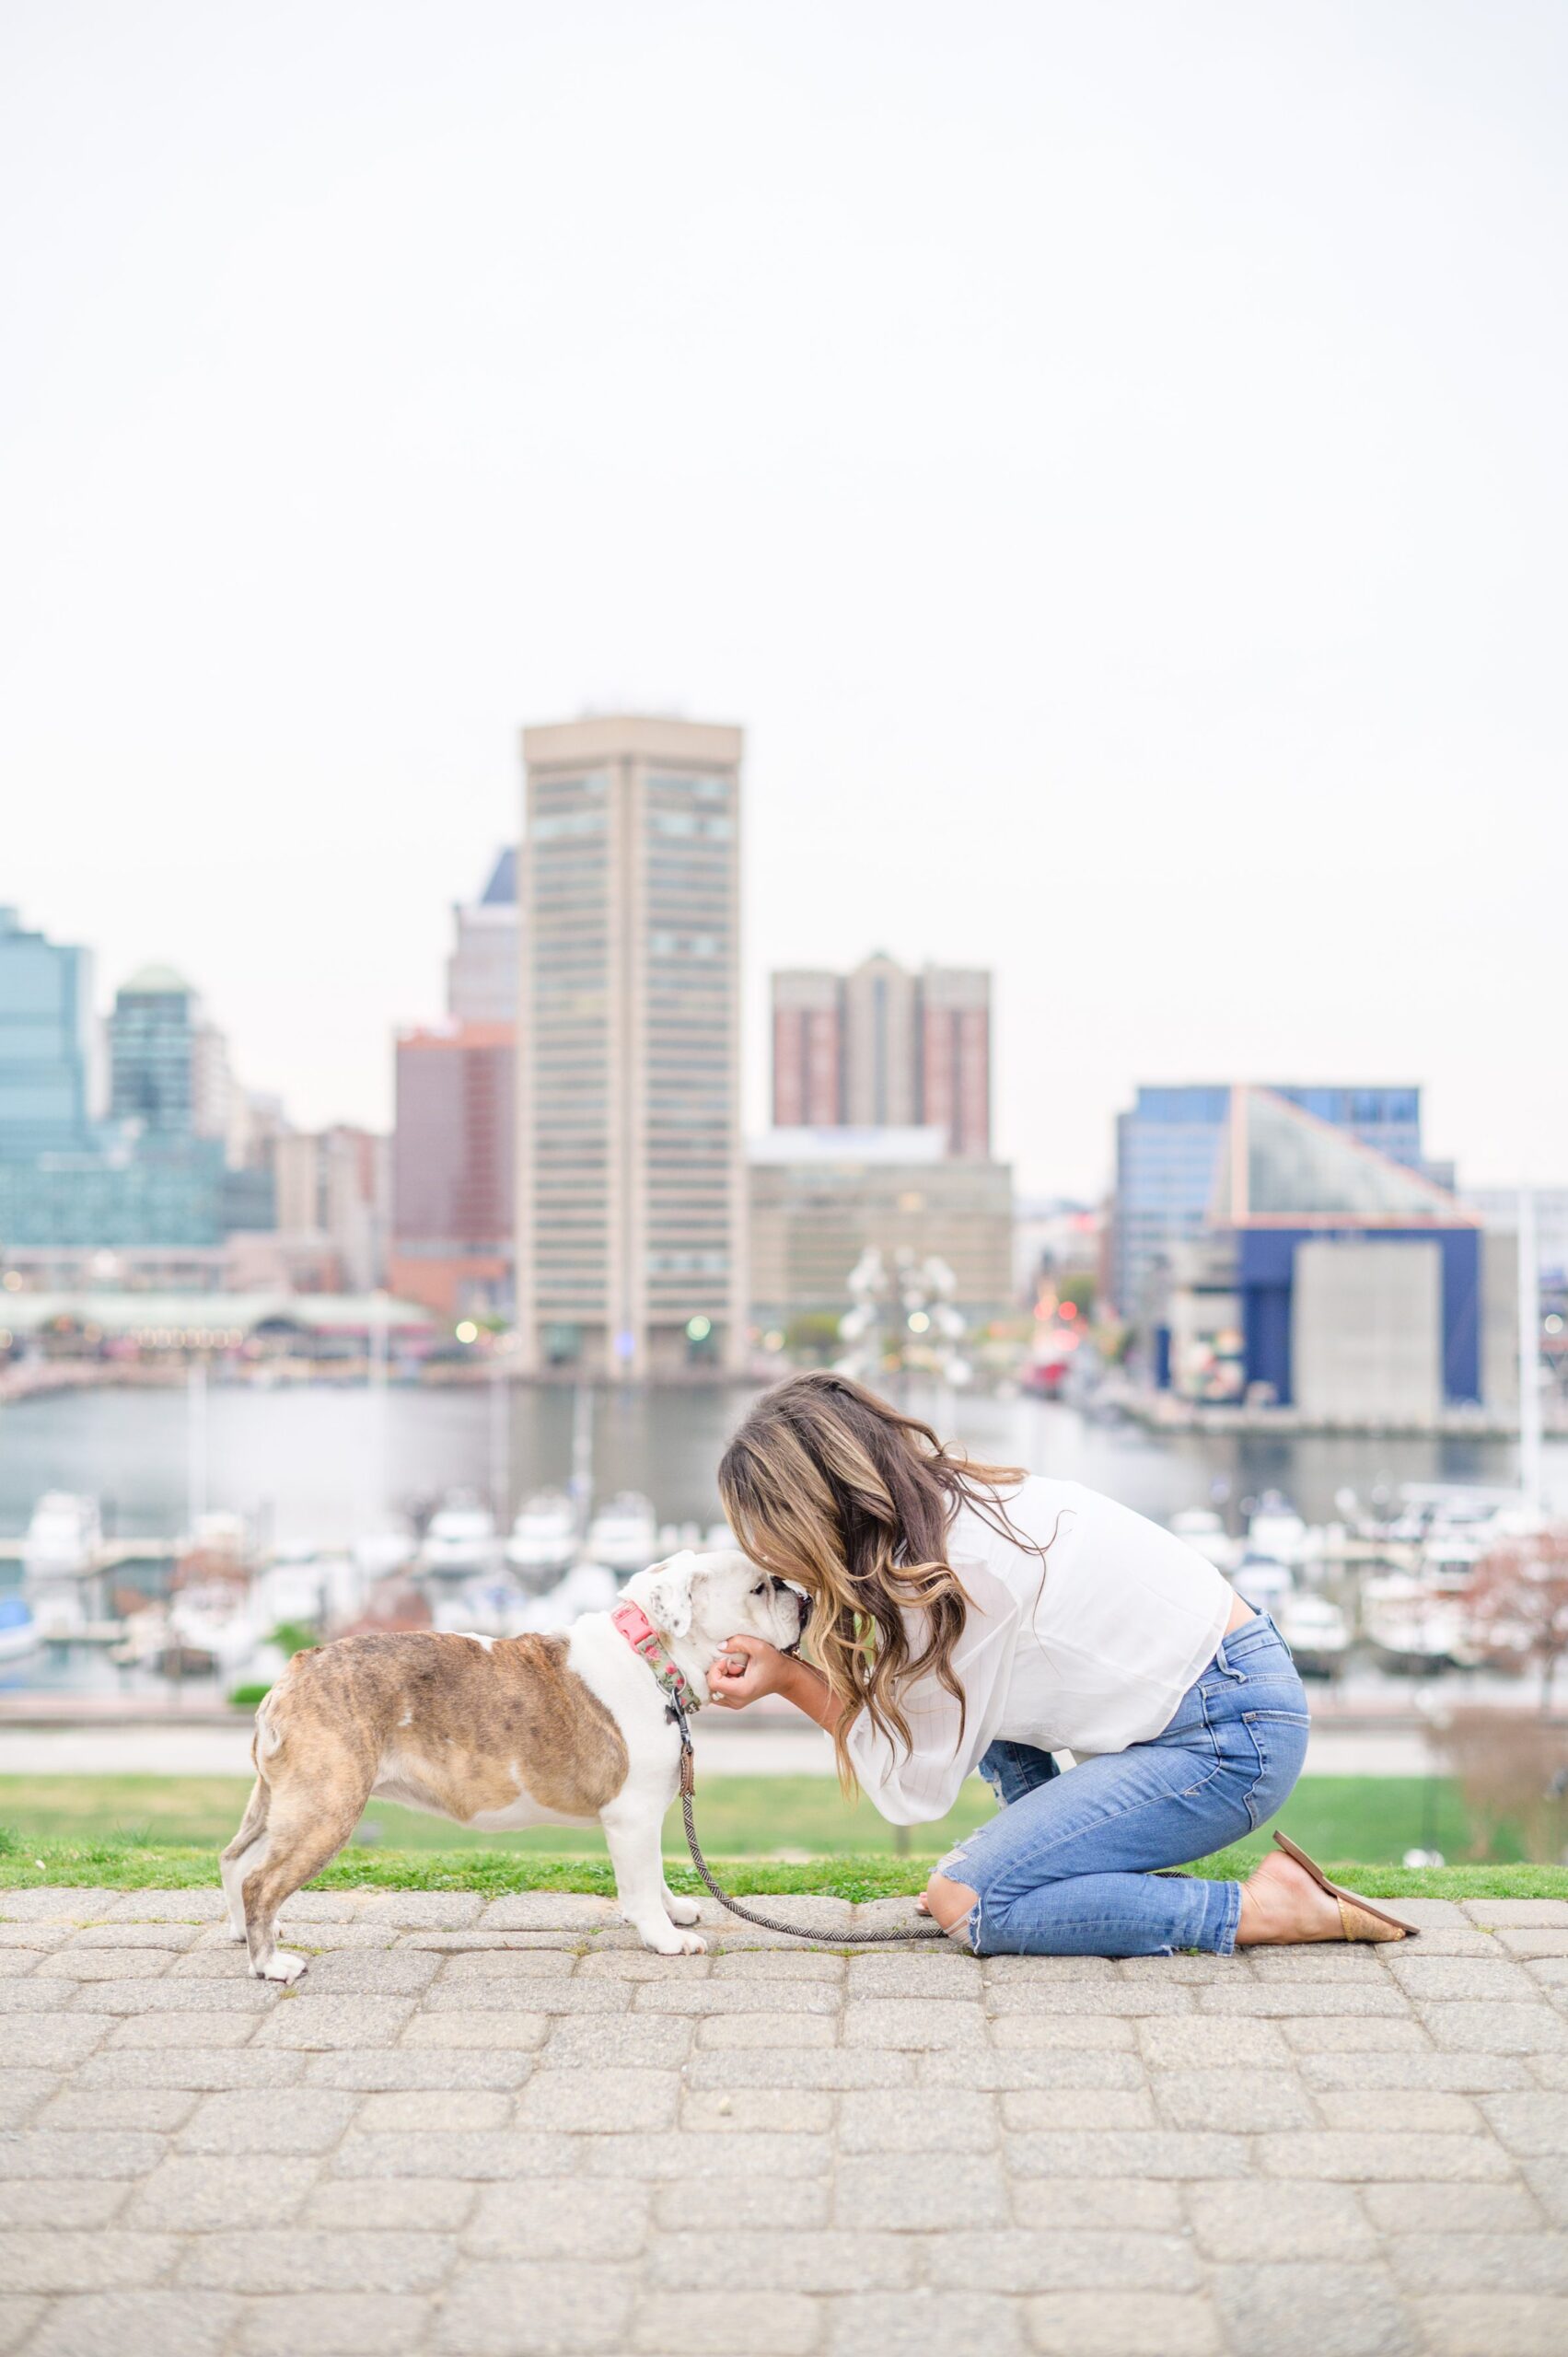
column 1518, row 1599
column 1113, row 1339
column 1511, row 1767
column 814, row 1335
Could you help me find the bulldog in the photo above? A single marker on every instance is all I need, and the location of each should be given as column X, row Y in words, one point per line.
column 498, row 1732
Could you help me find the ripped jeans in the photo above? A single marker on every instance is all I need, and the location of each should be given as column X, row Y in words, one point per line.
column 1070, row 1864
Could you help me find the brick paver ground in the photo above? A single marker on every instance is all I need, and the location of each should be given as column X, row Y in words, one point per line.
column 477, row 2128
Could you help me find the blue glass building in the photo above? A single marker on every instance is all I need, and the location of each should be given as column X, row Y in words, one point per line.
column 1168, row 1152
column 1332, row 1279
column 144, row 1177
column 45, row 1036
column 152, row 1054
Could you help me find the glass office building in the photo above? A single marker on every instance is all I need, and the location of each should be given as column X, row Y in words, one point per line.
column 143, row 1178
column 1335, row 1280
column 45, row 1043
column 152, row 1054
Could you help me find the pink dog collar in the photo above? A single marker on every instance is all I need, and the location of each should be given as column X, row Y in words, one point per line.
column 638, row 1630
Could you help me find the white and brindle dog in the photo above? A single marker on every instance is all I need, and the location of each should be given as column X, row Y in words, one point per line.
column 498, row 1732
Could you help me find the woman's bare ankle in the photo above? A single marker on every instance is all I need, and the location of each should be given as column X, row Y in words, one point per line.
column 1281, row 1907
column 948, row 1903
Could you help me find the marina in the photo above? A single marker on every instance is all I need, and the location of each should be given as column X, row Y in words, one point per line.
column 160, row 1546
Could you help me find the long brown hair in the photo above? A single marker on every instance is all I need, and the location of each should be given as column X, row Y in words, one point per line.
column 828, row 1486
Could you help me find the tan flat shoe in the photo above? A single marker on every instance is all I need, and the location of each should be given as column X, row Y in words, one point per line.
column 1359, row 1920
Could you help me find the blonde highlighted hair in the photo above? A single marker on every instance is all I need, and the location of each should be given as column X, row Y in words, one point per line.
column 825, row 1485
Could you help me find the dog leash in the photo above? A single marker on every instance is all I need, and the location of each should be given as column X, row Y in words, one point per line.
column 753, row 1914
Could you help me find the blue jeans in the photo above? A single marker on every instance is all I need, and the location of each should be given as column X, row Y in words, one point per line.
column 1070, row 1864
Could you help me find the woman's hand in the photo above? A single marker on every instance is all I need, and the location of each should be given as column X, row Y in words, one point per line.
column 750, row 1667
column 747, row 1668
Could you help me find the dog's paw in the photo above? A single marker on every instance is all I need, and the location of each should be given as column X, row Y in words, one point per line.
column 283, row 1965
column 678, row 1944
column 237, row 1933
column 683, row 1910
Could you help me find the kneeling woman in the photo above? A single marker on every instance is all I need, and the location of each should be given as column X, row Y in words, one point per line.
column 965, row 1615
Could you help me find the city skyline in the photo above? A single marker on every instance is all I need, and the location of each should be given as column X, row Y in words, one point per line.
column 458, row 956
column 1108, row 461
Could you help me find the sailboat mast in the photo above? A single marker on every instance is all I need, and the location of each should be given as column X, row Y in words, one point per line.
column 1529, row 1355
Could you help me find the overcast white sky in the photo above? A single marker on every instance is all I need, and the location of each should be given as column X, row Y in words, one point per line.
column 1111, row 456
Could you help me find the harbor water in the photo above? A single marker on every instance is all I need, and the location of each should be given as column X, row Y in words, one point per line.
column 317, row 1463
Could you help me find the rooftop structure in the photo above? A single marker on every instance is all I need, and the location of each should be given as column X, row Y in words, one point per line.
column 481, row 972
column 844, row 1144
column 1331, row 1278
column 1167, row 1150
column 1284, row 1165
column 884, row 1047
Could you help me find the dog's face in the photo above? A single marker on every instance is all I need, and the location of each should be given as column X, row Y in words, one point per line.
column 696, row 1602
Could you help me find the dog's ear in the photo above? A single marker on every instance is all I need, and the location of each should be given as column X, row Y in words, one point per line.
column 663, row 1591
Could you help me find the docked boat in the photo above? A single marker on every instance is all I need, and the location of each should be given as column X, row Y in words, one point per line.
column 587, row 1588
column 323, row 1590
column 20, row 1634
column 460, row 1540
column 213, row 1618
column 624, row 1534
column 60, row 1608
column 381, row 1554
column 1262, row 1583
column 543, row 1539
column 63, row 1538
column 1414, row 1628
column 480, row 1608
column 497, row 1608
column 1315, row 1632
column 1274, row 1529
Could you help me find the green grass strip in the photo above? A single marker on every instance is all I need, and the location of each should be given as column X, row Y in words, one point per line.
column 134, row 1865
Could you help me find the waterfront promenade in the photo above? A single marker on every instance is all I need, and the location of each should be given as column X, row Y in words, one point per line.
column 65, row 1737
column 478, row 2127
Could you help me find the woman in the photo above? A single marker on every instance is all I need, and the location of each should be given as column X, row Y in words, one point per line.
column 965, row 1615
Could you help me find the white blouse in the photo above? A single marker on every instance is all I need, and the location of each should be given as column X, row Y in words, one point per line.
column 1088, row 1652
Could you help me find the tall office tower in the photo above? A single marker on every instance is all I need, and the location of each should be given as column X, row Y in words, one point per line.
column 631, row 1201
column 481, row 972
column 955, row 1057
column 45, row 1043
column 452, row 1170
column 807, row 1050
column 215, row 1092
column 331, row 1189
column 153, row 1054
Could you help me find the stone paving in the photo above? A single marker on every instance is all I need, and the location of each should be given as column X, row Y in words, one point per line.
column 476, row 2128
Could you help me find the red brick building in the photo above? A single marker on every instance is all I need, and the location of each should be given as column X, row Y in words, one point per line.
column 452, row 1169
column 807, row 1052
column 885, row 1047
